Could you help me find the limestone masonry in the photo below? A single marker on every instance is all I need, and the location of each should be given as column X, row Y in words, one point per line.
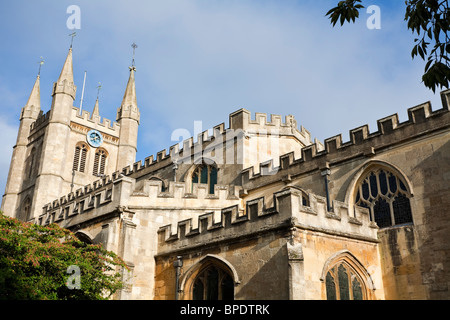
column 255, row 210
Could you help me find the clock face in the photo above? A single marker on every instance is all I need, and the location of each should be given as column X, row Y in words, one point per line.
column 94, row 138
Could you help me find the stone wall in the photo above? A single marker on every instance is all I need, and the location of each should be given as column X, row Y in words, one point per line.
column 414, row 256
column 273, row 252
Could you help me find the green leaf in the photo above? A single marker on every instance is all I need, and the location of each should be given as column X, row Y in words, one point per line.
column 414, row 51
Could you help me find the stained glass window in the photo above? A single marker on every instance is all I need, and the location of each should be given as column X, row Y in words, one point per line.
column 344, row 291
column 343, row 283
column 197, row 292
column 382, row 212
column 213, row 283
column 357, row 290
column 331, row 287
column 387, row 198
column 383, row 182
column 402, row 209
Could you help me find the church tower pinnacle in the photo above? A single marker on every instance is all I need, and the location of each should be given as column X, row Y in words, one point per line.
column 96, row 111
column 65, row 83
column 17, row 169
column 128, row 117
column 63, row 93
column 33, row 105
column 129, row 108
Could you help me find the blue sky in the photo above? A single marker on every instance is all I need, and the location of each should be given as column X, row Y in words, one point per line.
column 200, row 60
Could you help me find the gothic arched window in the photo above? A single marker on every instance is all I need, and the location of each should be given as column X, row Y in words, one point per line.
column 25, row 215
column 205, row 174
column 344, row 283
column 79, row 158
column 387, row 198
column 99, row 162
column 213, row 283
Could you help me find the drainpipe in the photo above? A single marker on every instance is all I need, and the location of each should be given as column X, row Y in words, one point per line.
column 325, row 174
column 72, row 184
column 177, row 265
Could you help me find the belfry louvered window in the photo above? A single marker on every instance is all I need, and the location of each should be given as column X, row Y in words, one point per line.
column 99, row 162
column 387, row 198
column 79, row 158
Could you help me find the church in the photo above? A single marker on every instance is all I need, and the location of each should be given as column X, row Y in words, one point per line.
column 252, row 209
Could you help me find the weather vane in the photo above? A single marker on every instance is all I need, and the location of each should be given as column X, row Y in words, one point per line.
column 40, row 65
column 134, row 46
column 98, row 88
column 72, row 35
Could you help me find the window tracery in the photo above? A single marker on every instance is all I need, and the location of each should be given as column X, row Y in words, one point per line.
column 386, row 196
column 343, row 283
column 213, row 283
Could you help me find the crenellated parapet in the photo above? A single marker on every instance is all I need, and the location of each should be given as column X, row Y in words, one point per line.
column 220, row 138
column 119, row 191
column 290, row 210
column 40, row 122
column 75, row 205
column 242, row 119
column 421, row 120
column 177, row 192
column 175, row 153
column 85, row 118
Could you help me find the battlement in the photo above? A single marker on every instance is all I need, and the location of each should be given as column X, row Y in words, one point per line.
column 95, row 195
column 221, row 135
column 289, row 210
column 241, row 119
column 152, row 191
column 85, row 119
column 40, row 122
column 119, row 191
column 421, row 120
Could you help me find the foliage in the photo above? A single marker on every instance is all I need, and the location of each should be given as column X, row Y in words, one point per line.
column 34, row 261
column 430, row 19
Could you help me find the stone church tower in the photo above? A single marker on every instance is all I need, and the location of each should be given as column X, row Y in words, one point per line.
column 64, row 149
